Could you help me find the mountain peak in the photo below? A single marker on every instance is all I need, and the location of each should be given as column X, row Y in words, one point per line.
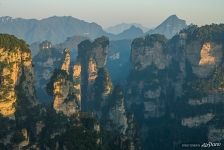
column 134, row 28
column 130, row 33
column 119, row 28
column 171, row 26
column 173, row 18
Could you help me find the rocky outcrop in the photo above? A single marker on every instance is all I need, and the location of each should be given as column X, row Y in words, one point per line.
column 61, row 91
column 204, row 57
column 148, row 51
column 25, row 142
column 102, row 89
column 61, row 88
column 197, row 121
column 15, row 71
column 64, row 122
column 215, row 98
column 178, row 82
column 77, row 82
column 119, row 123
column 98, row 96
column 117, row 113
column 215, row 134
column 67, row 60
column 92, row 71
column 92, row 57
column 46, row 61
column 17, row 93
column 148, row 56
column 65, row 99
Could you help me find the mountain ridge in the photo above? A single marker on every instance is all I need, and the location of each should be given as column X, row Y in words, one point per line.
column 58, row 28
column 55, row 28
column 119, row 28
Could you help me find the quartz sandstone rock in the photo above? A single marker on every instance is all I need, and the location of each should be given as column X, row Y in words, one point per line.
column 204, row 58
column 14, row 62
column 66, row 63
column 65, row 91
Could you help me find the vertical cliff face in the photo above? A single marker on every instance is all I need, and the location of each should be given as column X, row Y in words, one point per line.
column 92, row 71
column 202, row 85
column 119, row 123
column 99, row 48
column 65, row 87
column 61, row 91
column 178, row 82
column 102, row 89
column 47, row 59
column 92, row 57
column 117, row 111
column 15, row 71
column 204, row 57
column 98, row 96
column 18, row 101
column 66, row 62
column 147, row 81
column 149, row 51
column 77, row 82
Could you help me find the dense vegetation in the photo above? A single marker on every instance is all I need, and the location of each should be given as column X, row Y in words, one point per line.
column 74, row 132
column 213, row 33
column 11, row 42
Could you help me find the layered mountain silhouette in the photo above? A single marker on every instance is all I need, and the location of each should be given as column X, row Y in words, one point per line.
column 58, row 29
column 55, row 29
column 119, row 28
column 130, row 33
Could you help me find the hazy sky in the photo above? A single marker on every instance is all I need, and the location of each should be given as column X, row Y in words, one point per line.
column 110, row 12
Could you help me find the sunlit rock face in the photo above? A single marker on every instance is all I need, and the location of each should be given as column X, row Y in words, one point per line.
column 66, row 97
column 67, row 60
column 61, row 89
column 92, row 70
column 204, row 57
column 15, row 70
column 61, row 86
column 77, row 82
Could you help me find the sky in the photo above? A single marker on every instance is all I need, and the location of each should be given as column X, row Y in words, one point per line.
column 149, row 13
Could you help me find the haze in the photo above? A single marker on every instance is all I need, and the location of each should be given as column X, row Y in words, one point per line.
column 110, row 12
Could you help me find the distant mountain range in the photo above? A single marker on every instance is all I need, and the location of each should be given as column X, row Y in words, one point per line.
column 129, row 33
column 119, row 28
column 55, row 29
column 58, row 29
